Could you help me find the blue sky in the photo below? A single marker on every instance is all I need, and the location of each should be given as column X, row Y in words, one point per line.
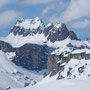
column 74, row 13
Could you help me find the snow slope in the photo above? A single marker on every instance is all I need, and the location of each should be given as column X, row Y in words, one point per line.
column 19, row 40
column 87, row 43
column 31, row 24
column 14, row 76
column 79, row 69
column 70, row 51
column 69, row 84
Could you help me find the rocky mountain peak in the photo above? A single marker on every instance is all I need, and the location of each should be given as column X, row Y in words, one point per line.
column 37, row 19
column 58, row 32
column 59, row 25
column 30, row 23
column 72, row 36
column 28, row 27
column 52, row 32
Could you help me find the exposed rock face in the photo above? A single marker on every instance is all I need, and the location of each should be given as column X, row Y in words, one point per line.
column 6, row 47
column 58, row 32
column 52, row 64
column 72, row 36
column 56, row 63
column 47, row 29
column 31, row 56
column 28, row 27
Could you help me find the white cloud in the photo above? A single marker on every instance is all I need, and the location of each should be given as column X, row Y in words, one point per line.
column 47, row 9
column 56, row 5
column 5, row 2
column 76, row 9
column 7, row 17
column 35, row 2
column 82, row 24
column 54, row 19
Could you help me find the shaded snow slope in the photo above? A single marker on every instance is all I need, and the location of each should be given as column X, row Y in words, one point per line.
column 18, row 41
column 14, row 76
column 61, row 85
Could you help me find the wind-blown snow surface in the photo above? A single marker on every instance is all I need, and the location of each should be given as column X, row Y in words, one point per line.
column 14, row 76
column 65, row 84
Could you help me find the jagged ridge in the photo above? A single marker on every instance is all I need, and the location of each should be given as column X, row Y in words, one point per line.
column 53, row 32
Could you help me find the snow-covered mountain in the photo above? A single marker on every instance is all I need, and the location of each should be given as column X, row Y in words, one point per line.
column 32, row 46
column 65, row 84
column 66, row 75
column 28, row 27
column 32, row 42
column 13, row 76
column 34, row 31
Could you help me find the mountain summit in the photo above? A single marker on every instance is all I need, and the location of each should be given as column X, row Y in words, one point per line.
column 52, row 32
column 28, row 27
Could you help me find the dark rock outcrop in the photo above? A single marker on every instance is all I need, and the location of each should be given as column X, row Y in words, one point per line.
column 6, row 47
column 31, row 30
column 72, row 35
column 47, row 29
column 32, row 56
column 52, row 63
column 58, row 34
